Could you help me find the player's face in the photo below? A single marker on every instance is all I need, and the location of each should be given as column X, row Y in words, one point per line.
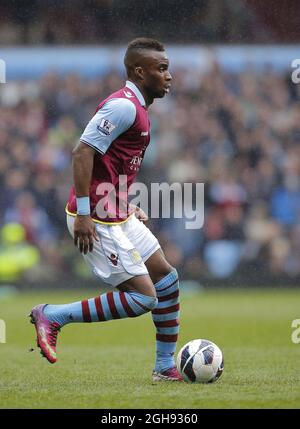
column 157, row 78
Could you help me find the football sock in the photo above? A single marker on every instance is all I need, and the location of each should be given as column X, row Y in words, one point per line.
column 166, row 319
column 111, row 305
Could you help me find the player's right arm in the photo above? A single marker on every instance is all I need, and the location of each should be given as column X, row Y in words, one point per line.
column 84, row 227
column 113, row 119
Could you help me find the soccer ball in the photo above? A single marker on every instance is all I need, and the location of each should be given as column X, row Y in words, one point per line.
column 200, row 361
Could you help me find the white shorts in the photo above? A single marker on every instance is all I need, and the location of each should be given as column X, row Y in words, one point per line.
column 121, row 250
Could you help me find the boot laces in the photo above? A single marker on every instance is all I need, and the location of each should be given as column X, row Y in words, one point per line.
column 54, row 329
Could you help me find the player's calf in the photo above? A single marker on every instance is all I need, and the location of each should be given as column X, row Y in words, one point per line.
column 166, row 320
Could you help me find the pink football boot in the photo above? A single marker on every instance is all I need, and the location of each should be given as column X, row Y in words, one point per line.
column 46, row 333
column 170, row 374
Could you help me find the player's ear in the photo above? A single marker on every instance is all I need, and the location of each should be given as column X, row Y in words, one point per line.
column 139, row 72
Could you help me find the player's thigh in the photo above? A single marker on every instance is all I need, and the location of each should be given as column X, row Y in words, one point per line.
column 149, row 248
column 143, row 239
column 157, row 266
column 114, row 259
column 140, row 284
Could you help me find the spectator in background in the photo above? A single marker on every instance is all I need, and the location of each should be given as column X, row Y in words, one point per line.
column 17, row 256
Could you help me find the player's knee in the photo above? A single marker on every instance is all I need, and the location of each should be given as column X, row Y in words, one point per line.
column 141, row 303
column 162, row 272
column 175, row 273
column 170, row 273
column 150, row 302
column 174, row 278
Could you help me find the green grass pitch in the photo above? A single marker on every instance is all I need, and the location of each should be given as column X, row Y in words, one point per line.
column 108, row 365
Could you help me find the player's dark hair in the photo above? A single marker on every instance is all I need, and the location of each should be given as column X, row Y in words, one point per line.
column 145, row 43
column 137, row 46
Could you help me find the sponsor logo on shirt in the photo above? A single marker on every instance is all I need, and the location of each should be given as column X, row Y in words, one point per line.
column 144, row 133
column 106, row 127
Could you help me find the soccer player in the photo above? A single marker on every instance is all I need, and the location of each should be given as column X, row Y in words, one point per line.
column 110, row 232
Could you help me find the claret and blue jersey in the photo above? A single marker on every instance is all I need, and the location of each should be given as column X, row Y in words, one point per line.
column 120, row 134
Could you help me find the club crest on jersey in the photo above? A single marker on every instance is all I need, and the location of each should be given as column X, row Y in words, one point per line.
column 135, row 256
column 106, row 127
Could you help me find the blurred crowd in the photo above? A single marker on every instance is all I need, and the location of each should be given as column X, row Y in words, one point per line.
column 112, row 21
column 239, row 134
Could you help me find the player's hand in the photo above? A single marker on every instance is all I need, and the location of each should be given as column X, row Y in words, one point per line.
column 85, row 233
column 141, row 215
